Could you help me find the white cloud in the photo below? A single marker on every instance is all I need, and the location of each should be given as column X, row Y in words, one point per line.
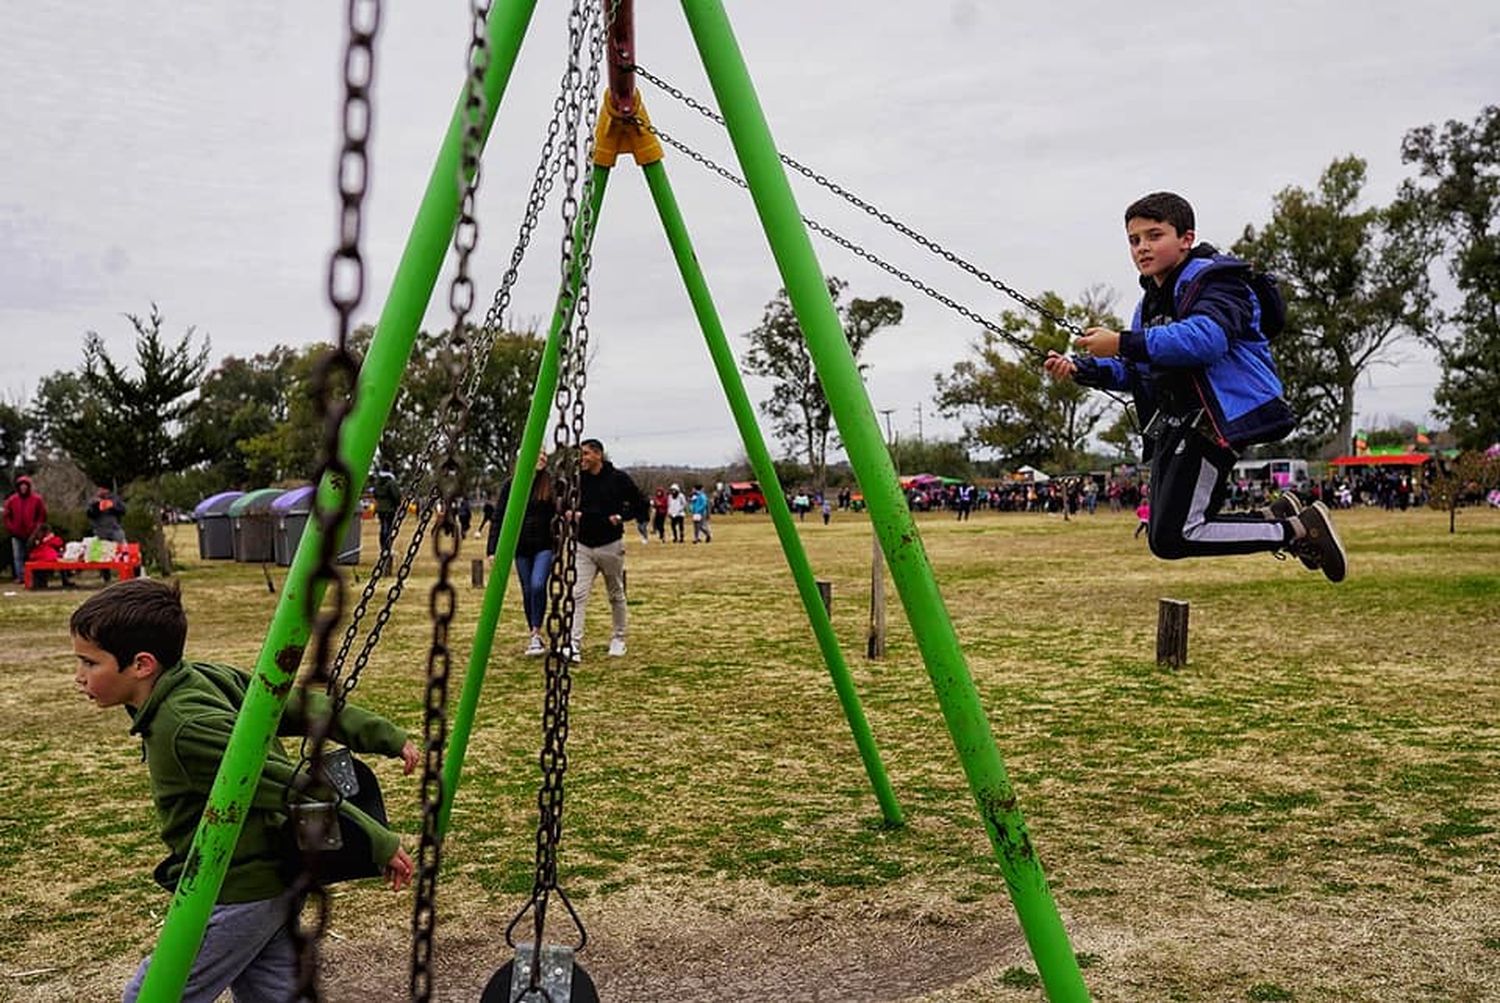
column 184, row 154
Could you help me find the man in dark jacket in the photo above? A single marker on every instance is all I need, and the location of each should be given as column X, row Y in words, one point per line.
column 105, row 513
column 608, row 499
column 25, row 511
column 387, row 501
column 1198, row 362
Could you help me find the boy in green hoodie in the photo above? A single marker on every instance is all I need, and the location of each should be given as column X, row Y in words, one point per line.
column 129, row 641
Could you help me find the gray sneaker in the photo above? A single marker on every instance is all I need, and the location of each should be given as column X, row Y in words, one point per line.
column 1319, row 548
column 1283, row 507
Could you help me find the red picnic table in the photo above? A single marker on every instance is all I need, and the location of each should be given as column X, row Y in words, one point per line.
column 126, row 563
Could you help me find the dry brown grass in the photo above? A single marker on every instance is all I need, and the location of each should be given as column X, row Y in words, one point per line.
column 1307, row 811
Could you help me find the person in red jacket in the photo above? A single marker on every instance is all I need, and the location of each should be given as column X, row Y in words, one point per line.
column 25, row 511
column 47, row 546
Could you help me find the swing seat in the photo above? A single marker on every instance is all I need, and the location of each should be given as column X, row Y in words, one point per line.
column 344, row 850
column 563, row 979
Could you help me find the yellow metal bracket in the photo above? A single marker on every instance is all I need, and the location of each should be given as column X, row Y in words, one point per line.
column 616, row 134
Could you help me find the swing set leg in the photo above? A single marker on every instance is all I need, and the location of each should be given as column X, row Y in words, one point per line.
column 931, row 625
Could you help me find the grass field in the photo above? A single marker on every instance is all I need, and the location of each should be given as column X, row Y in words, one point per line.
column 1307, row 811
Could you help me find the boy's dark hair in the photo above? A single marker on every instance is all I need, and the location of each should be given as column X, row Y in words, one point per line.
column 593, row 444
column 1164, row 207
column 132, row 616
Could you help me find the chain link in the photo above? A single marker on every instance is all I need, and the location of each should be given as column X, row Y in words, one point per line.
column 968, row 313
column 877, row 213
column 447, row 537
column 963, row 311
column 482, row 344
column 335, row 376
column 586, row 25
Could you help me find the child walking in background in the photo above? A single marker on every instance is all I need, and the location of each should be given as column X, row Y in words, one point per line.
column 1143, row 513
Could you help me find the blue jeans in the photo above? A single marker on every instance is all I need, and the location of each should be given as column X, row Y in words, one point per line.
column 533, row 571
column 18, row 556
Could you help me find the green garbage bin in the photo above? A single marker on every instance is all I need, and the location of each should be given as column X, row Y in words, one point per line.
column 254, row 527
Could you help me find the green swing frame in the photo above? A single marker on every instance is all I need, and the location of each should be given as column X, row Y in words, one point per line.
column 379, row 381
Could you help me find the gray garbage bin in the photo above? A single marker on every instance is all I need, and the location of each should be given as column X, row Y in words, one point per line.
column 254, row 530
column 215, row 533
column 291, row 512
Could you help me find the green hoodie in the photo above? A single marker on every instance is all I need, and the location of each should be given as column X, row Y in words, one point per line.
column 184, row 727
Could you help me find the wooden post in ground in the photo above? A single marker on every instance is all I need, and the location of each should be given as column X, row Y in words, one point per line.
column 875, row 639
column 1172, row 633
column 825, row 592
column 476, row 572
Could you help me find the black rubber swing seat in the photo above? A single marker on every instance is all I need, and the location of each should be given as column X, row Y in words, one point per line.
column 498, row 989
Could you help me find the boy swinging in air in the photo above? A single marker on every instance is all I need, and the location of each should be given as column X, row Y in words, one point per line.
column 129, row 640
column 1197, row 361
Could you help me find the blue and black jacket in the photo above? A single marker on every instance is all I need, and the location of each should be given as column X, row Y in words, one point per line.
column 1199, row 349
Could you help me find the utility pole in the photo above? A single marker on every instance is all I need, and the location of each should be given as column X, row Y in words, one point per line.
column 919, row 422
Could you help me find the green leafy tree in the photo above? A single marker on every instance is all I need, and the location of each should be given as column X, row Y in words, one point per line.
column 497, row 412
column 1355, row 282
column 288, row 449
column 497, row 409
column 241, row 404
column 944, row 457
column 15, row 432
column 1465, row 479
column 119, row 425
column 1124, row 434
column 798, row 407
column 1457, row 195
column 1009, row 405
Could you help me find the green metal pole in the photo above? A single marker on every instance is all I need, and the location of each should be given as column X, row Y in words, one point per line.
column 765, row 471
column 933, row 629
column 515, row 508
column 281, row 654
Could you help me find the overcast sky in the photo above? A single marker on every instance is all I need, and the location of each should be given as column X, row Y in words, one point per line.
column 182, row 154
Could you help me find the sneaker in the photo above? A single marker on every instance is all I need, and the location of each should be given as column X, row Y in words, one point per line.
column 1284, row 507
column 574, row 656
column 1320, row 548
column 536, row 647
column 616, row 647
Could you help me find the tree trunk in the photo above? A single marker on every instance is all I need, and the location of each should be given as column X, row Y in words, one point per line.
column 1345, row 436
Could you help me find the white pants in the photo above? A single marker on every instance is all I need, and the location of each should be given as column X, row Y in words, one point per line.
column 607, row 560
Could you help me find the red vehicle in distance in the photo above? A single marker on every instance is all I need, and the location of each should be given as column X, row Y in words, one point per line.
column 745, row 496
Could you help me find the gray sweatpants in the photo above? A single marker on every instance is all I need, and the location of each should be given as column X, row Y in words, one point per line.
column 609, row 561
column 246, row 949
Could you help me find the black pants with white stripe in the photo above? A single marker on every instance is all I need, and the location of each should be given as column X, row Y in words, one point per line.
column 1189, row 482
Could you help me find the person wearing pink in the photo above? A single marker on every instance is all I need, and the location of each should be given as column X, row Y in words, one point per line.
column 24, row 514
column 1143, row 513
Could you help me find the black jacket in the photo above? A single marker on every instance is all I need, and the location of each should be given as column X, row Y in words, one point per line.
column 609, row 492
column 536, row 526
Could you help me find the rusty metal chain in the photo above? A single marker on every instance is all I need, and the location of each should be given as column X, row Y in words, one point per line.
column 483, row 342
column 586, row 25
column 874, row 211
column 447, row 537
column 963, row 311
column 968, row 313
column 341, row 683
column 547, row 166
column 336, row 374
